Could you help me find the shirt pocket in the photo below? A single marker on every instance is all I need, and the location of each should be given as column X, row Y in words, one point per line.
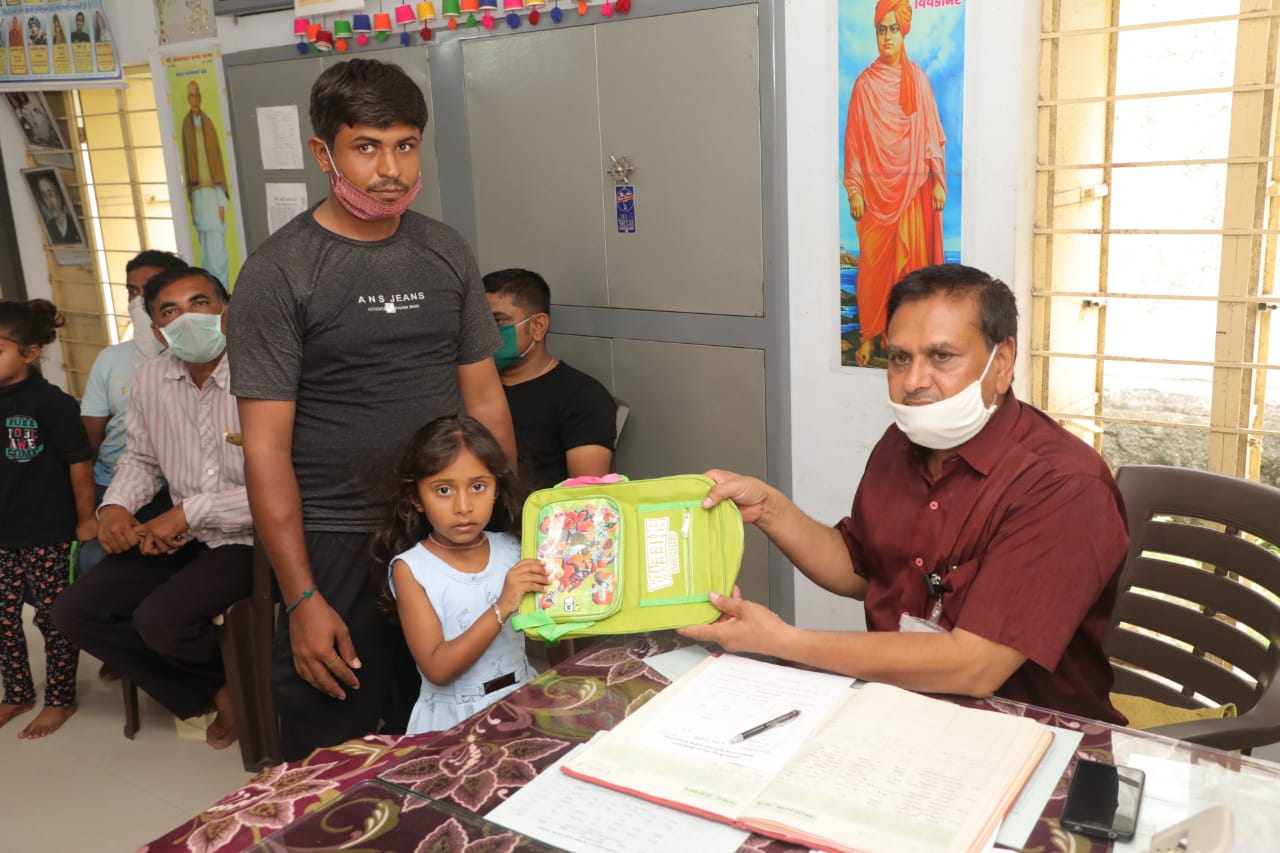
column 957, row 581
column 232, row 459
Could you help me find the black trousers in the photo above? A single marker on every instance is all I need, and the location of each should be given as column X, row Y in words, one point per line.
column 150, row 618
column 343, row 571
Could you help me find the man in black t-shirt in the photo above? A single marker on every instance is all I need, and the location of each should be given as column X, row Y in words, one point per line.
column 352, row 326
column 564, row 419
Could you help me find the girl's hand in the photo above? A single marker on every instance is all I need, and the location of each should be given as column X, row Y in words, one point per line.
column 524, row 577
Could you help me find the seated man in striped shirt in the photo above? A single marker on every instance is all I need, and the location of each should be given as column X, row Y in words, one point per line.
column 147, row 610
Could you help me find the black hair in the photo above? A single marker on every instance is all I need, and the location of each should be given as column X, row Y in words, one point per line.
column 155, row 258
column 365, row 91
column 525, row 288
column 432, row 449
column 996, row 305
column 29, row 324
column 160, row 281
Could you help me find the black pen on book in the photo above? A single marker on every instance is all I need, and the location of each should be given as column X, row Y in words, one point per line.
column 765, row 726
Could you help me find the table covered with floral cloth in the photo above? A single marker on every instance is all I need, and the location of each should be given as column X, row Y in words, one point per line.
column 430, row 792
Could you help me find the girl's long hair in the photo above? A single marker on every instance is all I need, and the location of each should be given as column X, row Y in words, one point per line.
column 432, row 449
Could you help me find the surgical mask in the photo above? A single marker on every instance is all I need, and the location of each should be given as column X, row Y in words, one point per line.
column 507, row 355
column 361, row 205
column 195, row 338
column 143, row 339
column 947, row 423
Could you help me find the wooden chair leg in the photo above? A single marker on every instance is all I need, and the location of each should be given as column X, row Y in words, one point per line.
column 131, row 721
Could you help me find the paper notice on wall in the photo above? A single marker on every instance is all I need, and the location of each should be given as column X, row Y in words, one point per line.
column 279, row 137
column 284, row 201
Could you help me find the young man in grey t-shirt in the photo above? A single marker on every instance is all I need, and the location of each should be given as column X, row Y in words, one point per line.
column 352, row 326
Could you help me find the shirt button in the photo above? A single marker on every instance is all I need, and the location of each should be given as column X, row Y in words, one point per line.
column 210, row 472
column 919, row 562
column 933, row 504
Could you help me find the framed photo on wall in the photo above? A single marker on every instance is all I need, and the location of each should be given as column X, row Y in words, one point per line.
column 36, row 120
column 54, row 203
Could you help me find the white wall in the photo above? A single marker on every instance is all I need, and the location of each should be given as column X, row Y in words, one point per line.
column 839, row 413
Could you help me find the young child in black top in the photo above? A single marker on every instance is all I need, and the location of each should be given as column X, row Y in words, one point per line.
column 46, row 502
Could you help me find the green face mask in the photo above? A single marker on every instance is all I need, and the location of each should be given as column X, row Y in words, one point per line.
column 508, row 355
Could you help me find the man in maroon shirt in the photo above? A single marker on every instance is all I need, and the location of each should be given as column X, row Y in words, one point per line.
column 985, row 540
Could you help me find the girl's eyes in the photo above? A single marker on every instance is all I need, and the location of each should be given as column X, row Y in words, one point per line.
column 444, row 491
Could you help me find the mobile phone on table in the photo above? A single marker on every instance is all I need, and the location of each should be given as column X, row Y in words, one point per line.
column 1103, row 800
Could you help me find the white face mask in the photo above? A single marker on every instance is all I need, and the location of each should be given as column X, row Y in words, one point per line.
column 947, row 423
column 143, row 339
column 195, row 338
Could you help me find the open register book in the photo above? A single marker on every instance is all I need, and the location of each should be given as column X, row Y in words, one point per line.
column 869, row 769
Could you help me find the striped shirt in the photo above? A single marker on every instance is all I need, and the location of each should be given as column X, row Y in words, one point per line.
column 177, row 432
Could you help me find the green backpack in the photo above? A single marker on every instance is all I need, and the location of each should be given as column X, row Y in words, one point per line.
column 627, row 557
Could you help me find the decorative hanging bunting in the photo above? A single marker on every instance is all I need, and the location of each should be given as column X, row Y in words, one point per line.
column 426, row 14
column 313, row 38
column 452, row 11
column 471, row 7
column 512, row 8
column 341, row 33
column 362, row 25
column 404, row 17
column 300, row 31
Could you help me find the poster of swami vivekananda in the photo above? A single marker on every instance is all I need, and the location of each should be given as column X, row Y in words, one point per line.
column 901, row 107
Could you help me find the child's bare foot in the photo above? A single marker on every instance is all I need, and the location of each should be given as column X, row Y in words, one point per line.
column 8, row 712
column 222, row 731
column 48, row 721
column 106, row 673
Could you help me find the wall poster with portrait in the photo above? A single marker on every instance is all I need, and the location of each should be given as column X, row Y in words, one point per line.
column 62, row 227
column 197, row 97
column 57, row 45
column 901, row 90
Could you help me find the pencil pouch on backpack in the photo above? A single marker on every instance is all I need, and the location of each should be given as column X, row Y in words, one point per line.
column 628, row 556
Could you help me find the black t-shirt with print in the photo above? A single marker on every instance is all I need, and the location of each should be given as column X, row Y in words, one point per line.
column 366, row 339
column 43, row 435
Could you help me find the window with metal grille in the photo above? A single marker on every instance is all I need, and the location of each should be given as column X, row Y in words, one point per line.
column 119, row 179
column 1155, row 237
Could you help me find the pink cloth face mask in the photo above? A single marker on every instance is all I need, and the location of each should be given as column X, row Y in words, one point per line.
column 361, row 205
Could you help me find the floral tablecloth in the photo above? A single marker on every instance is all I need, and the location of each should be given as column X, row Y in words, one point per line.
column 433, row 787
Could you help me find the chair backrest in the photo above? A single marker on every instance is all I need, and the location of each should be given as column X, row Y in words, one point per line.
column 1197, row 617
column 623, row 411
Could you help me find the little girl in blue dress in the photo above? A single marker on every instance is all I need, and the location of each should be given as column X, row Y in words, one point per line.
column 454, row 584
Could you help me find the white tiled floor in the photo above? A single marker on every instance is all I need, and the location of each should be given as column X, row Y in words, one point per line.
column 87, row 787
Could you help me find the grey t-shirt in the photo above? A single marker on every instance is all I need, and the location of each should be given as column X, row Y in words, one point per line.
column 366, row 338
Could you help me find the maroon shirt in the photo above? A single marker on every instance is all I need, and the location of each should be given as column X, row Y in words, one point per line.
column 1027, row 529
